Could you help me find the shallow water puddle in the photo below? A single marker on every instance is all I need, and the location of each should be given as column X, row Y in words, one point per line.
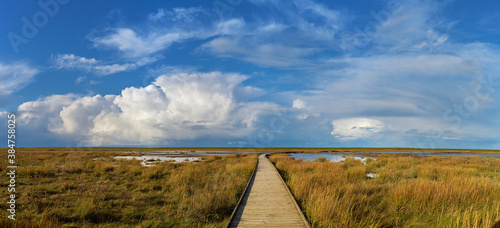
column 150, row 160
column 434, row 154
column 331, row 157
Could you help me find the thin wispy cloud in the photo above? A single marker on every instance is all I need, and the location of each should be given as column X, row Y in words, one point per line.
column 73, row 62
column 15, row 76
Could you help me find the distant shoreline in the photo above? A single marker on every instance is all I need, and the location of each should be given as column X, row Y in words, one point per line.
column 264, row 149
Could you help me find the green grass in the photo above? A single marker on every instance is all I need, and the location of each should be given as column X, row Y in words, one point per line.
column 68, row 188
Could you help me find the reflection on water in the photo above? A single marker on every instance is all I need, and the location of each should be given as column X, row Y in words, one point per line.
column 435, row 154
column 188, row 152
column 467, row 155
column 331, row 157
column 362, row 155
column 149, row 160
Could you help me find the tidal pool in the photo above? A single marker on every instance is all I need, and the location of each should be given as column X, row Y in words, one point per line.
column 331, row 157
column 189, row 152
column 149, row 160
column 362, row 155
column 434, row 154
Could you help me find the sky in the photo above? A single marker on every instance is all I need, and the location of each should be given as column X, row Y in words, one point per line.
column 251, row 73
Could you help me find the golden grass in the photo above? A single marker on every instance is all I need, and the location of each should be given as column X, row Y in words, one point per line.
column 70, row 189
column 408, row 192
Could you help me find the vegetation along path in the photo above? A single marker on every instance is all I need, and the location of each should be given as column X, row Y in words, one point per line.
column 267, row 202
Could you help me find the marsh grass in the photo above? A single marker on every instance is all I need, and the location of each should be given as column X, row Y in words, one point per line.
column 57, row 188
column 408, row 191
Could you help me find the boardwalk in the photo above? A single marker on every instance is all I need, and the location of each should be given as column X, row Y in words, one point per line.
column 268, row 203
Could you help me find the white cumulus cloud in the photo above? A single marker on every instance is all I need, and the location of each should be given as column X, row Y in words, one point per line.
column 34, row 113
column 299, row 104
column 356, row 128
column 175, row 107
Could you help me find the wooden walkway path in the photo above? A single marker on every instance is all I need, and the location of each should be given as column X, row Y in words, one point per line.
column 267, row 201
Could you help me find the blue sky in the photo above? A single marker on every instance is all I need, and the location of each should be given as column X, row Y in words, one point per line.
column 252, row 73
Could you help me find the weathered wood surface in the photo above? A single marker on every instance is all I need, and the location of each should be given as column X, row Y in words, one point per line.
column 268, row 202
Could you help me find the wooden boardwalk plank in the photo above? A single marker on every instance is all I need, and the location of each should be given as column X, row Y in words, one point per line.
column 268, row 202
